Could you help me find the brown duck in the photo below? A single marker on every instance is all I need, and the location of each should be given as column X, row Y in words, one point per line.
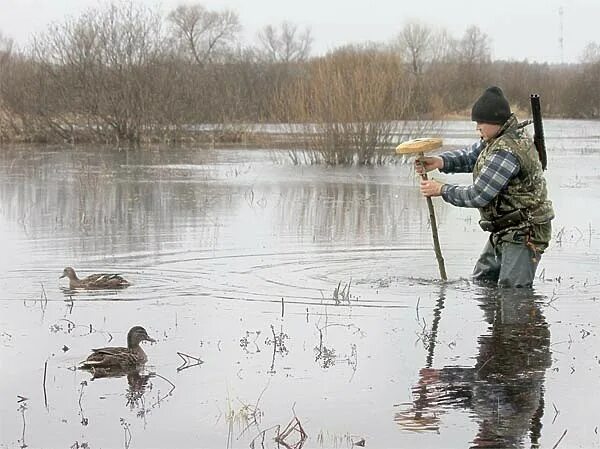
column 119, row 358
column 94, row 281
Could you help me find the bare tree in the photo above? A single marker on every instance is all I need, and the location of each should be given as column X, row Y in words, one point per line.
column 471, row 66
column 285, row 44
column 474, row 47
column 581, row 94
column 414, row 42
column 6, row 45
column 5, row 56
column 421, row 48
column 591, row 53
column 100, row 70
column 204, row 35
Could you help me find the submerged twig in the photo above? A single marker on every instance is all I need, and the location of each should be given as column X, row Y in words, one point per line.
column 262, row 435
column 278, row 343
column 186, row 361
column 556, row 412
column 44, row 384
column 127, row 431
column 84, row 420
column 293, row 427
column 340, row 293
column 70, row 303
column 560, row 439
column 161, row 398
column 22, row 409
column 245, row 342
column 253, row 411
column 43, row 297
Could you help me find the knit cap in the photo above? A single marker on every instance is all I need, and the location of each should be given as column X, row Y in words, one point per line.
column 491, row 107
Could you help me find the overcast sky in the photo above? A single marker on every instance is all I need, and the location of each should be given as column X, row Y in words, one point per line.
column 518, row 29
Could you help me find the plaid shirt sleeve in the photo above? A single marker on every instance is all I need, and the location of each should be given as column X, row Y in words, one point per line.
column 461, row 161
column 495, row 175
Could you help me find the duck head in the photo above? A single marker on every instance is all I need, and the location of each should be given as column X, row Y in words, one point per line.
column 136, row 335
column 69, row 272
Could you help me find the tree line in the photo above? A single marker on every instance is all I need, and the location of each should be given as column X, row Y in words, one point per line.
column 125, row 73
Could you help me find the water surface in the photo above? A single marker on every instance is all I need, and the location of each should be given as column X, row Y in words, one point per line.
column 307, row 292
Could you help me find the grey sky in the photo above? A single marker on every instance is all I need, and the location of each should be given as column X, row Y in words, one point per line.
column 519, row 29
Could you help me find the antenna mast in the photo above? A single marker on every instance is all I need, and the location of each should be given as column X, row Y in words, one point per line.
column 560, row 38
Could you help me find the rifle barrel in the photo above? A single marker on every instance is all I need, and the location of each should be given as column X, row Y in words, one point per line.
column 538, row 130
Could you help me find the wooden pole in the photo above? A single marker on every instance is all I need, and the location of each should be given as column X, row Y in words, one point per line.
column 418, row 147
column 434, row 232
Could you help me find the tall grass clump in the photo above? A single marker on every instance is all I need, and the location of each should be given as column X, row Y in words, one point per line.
column 349, row 107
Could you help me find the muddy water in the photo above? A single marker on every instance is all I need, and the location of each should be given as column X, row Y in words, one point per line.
column 305, row 292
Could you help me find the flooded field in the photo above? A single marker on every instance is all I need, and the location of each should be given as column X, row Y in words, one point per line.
column 292, row 306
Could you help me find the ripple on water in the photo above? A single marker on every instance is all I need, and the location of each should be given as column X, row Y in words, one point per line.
column 362, row 277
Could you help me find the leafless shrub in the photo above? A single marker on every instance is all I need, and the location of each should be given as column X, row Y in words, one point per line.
column 348, row 105
column 100, row 73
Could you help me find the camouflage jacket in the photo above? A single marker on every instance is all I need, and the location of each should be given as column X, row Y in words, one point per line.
column 527, row 191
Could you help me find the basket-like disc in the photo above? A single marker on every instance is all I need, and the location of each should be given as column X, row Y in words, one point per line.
column 419, row 145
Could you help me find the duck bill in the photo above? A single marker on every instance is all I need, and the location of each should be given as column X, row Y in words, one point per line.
column 150, row 339
column 63, row 275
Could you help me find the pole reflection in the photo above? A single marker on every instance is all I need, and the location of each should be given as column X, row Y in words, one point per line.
column 504, row 391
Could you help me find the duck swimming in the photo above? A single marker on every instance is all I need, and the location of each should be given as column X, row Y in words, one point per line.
column 119, row 358
column 94, row 281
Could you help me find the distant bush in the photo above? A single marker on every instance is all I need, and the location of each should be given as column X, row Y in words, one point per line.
column 349, row 105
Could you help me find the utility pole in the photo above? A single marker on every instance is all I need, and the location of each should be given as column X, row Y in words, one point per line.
column 560, row 37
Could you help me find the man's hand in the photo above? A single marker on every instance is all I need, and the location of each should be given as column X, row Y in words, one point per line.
column 426, row 164
column 430, row 187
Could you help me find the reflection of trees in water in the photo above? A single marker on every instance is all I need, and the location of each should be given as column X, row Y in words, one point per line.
column 360, row 212
column 147, row 197
column 107, row 192
column 505, row 387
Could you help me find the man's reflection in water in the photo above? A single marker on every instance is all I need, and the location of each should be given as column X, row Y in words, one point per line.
column 505, row 388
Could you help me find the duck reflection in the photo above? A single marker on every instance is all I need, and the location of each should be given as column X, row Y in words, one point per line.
column 137, row 383
column 505, row 387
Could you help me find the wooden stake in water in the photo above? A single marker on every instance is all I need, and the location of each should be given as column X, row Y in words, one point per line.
column 419, row 147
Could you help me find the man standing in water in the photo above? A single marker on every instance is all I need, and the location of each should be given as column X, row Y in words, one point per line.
column 509, row 189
